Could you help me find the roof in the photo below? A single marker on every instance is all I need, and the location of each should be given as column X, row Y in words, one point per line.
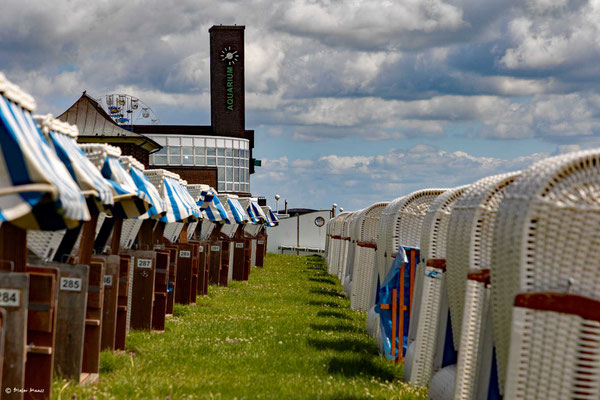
column 203, row 130
column 93, row 122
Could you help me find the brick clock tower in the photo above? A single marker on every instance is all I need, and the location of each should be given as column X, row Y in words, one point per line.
column 227, row 103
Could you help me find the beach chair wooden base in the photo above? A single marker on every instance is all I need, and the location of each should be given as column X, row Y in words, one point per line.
column 195, row 271
column 70, row 319
column 214, row 263
column 14, row 293
column 144, row 271
column 260, row 250
column 224, row 272
column 183, row 281
column 204, row 251
column 112, row 267
column 93, row 318
column 122, row 302
column 161, row 286
column 41, row 330
column 240, row 259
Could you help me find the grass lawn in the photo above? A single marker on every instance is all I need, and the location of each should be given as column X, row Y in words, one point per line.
column 287, row 333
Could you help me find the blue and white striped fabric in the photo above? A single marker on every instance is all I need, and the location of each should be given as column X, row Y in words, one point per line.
column 178, row 209
column 239, row 214
column 36, row 190
column 159, row 206
column 273, row 220
column 130, row 202
column 257, row 216
column 188, row 200
column 87, row 176
column 212, row 207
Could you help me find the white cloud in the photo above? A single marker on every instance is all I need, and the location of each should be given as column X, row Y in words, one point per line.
column 355, row 181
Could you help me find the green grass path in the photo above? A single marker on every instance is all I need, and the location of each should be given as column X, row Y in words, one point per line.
column 287, row 333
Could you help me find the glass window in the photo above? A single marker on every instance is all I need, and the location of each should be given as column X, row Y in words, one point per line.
column 211, row 161
column 211, row 143
column 186, row 141
column 221, row 152
column 236, row 174
column 220, row 143
column 188, row 155
column 236, row 162
column 236, row 144
column 160, row 140
column 200, row 160
column 229, row 143
column 221, row 161
column 221, row 174
column 229, row 174
column 198, row 142
column 221, row 186
column 229, row 186
column 175, row 141
column 160, row 159
column 211, row 151
column 236, row 153
column 228, row 152
column 229, row 162
column 236, row 187
column 174, row 155
column 199, row 150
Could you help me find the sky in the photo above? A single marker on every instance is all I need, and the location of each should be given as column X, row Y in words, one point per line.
column 352, row 102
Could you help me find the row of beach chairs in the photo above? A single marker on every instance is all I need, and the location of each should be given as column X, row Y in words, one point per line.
column 92, row 245
column 485, row 291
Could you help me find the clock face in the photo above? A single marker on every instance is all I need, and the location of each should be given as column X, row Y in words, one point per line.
column 229, row 56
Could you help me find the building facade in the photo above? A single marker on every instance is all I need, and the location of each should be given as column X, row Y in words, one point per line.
column 220, row 154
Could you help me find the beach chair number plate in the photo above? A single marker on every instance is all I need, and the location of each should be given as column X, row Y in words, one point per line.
column 70, row 284
column 107, row 280
column 261, row 242
column 10, row 297
column 144, row 263
column 239, row 245
column 201, row 249
column 215, row 248
column 185, row 254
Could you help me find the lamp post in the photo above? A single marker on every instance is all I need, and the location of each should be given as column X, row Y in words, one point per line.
column 277, row 197
column 341, row 210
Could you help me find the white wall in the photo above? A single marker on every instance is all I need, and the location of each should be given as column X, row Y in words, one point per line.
column 310, row 234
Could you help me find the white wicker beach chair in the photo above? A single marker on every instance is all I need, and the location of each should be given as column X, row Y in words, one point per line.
column 363, row 268
column 335, row 238
column 433, row 246
column 345, row 242
column 400, row 224
column 554, row 347
column 546, row 239
column 469, row 244
column 345, row 269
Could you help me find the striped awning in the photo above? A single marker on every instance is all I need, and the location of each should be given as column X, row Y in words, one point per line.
column 257, row 216
column 168, row 186
column 212, row 207
column 272, row 219
column 91, row 183
column 36, row 190
column 130, row 202
column 136, row 168
column 188, row 199
column 237, row 211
